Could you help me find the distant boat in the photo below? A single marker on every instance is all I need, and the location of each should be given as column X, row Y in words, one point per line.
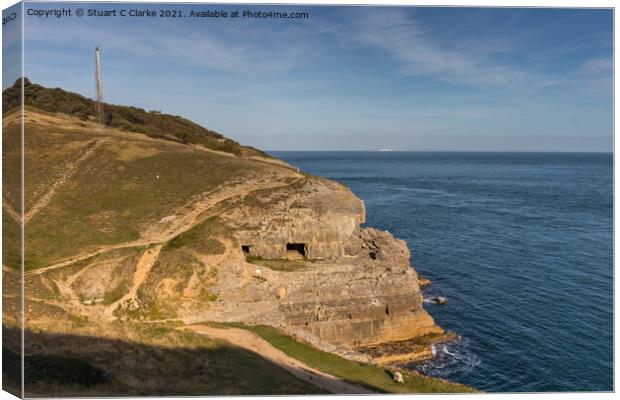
column 386, row 150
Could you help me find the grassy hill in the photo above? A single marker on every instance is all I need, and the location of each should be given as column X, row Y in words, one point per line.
column 131, row 119
column 129, row 230
column 87, row 187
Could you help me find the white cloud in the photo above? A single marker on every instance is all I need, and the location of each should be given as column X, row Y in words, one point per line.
column 404, row 39
column 194, row 48
column 596, row 66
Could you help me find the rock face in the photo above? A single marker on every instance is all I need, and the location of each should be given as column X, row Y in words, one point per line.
column 283, row 224
column 360, row 301
column 351, row 287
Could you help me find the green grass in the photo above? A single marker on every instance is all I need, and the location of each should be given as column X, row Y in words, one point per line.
column 34, row 287
column 368, row 375
column 62, row 370
column 264, row 198
column 53, row 369
column 109, row 199
column 125, row 185
column 144, row 360
column 133, row 119
column 279, row 264
column 11, row 242
column 114, row 294
column 202, row 238
column 175, row 266
column 205, row 295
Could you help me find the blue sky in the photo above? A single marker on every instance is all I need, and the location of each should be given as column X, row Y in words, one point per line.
column 350, row 78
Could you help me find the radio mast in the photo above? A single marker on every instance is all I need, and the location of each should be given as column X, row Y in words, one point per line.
column 99, row 88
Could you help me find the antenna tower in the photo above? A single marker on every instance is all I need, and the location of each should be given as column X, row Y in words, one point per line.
column 99, row 89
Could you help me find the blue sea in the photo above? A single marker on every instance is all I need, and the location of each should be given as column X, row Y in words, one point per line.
column 521, row 244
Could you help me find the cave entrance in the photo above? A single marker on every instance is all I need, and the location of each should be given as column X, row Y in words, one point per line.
column 296, row 250
column 245, row 248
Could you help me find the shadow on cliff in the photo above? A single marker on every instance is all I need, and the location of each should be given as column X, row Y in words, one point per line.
column 73, row 365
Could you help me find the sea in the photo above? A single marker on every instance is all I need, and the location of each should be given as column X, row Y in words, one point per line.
column 521, row 245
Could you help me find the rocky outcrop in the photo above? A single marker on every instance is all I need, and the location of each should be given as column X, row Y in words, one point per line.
column 354, row 287
column 360, row 301
column 313, row 218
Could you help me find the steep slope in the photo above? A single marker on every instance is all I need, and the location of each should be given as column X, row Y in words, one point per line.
column 130, row 119
column 121, row 226
column 111, row 184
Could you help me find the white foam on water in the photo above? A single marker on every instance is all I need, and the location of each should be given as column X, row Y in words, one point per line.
column 448, row 358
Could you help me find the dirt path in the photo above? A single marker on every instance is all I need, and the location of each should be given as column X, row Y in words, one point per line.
column 251, row 341
column 69, row 170
column 65, row 290
column 10, row 270
column 83, row 257
column 12, row 213
column 191, row 215
column 145, row 263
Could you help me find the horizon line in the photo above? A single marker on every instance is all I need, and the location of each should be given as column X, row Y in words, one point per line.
column 452, row 151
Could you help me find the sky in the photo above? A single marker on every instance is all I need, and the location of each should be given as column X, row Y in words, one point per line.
column 349, row 78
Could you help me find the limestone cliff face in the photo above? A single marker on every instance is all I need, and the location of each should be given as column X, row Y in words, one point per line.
column 314, row 217
column 362, row 301
column 345, row 286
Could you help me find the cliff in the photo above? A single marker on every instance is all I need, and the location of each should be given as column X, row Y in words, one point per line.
column 337, row 285
column 125, row 226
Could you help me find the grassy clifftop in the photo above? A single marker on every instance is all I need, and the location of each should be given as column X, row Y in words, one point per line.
column 129, row 236
column 132, row 119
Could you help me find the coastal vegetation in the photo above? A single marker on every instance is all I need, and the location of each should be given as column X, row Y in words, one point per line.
column 369, row 375
column 111, row 186
column 282, row 265
column 131, row 119
column 90, row 360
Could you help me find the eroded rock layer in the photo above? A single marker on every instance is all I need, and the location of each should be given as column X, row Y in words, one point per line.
column 356, row 289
